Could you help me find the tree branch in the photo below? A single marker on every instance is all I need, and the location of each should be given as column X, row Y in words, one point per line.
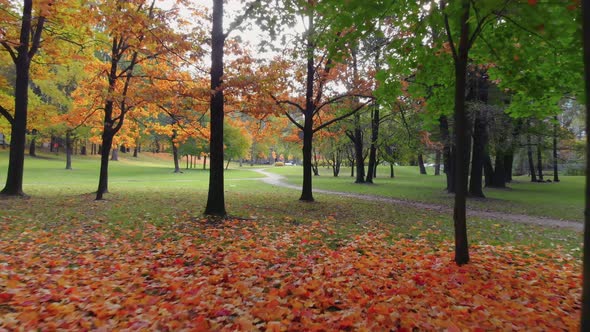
column 356, row 109
column 7, row 115
column 36, row 39
column 443, row 5
column 10, row 50
column 293, row 120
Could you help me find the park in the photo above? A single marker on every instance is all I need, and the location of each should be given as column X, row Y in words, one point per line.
column 260, row 165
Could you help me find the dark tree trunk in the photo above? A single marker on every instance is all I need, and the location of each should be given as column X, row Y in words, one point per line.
column 555, row 168
column 83, row 151
column 33, row 147
column 135, row 151
column 107, row 141
column 227, row 164
column 314, row 166
column 204, row 162
column 508, row 163
column 22, row 62
column 540, row 161
column 499, row 178
column 241, row 162
column 447, row 160
column 391, row 172
column 437, row 162
column 421, row 164
column 477, row 161
column 187, row 159
column 175, row 157
column 488, row 170
column 585, row 317
column 69, row 150
column 459, row 213
column 530, row 157
column 358, row 151
column 216, row 199
column 373, row 149
column 123, row 149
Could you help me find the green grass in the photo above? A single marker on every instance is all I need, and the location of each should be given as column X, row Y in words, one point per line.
column 563, row 200
column 145, row 190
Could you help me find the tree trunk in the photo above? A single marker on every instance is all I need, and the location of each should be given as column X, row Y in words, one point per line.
column 447, row 160
column 421, row 164
column 391, row 172
column 175, row 157
column 306, row 189
column 33, row 147
column 241, row 161
column 539, row 160
column 22, row 62
column 135, row 150
column 227, row 165
column 187, row 158
column 314, row 166
column 437, row 162
column 107, row 141
column 204, row 162
column 459, row 212
column 114, row 154
column 488, row 170
column 508, row 163
column 216, row 199
column 555, row 168
column 585, row 316
column 373, row 149
column 530, row 157
column 479, row 144
column 69, row 150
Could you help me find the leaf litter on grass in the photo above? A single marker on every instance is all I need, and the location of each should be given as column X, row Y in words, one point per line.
column 275, row 277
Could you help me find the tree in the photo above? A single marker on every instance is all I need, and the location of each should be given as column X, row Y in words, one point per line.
column 585, row 318
column 22, row 53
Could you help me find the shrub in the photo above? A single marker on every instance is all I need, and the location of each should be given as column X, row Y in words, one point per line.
column 279, row 163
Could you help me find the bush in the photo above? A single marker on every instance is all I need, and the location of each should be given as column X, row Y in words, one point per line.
column 279, row 163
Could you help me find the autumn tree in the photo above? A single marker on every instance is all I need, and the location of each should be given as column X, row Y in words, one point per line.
column 22, row 45
column 138, row 33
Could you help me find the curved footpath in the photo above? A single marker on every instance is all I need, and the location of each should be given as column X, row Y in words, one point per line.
column 278, row 180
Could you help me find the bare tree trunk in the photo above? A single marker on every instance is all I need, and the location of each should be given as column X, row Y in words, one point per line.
column 555, row 168
column 539, row 160
column 421, row 164
column 68, row 150
column 530, row 157
column 437, row 162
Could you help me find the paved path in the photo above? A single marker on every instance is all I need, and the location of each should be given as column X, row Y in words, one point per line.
column 278, row 180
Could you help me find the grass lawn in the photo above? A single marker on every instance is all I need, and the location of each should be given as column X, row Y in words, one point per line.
column 146, row 259
column 563, row 200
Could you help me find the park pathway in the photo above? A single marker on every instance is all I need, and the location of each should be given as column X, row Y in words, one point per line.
column 278, row 180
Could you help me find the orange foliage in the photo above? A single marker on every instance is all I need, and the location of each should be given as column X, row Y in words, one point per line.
column 92, row 279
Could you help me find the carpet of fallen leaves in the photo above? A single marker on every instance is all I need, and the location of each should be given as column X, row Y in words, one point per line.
column 243, row 275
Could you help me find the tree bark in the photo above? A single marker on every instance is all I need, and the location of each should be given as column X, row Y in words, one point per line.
column 488, row 170
column 228, row 161
column 216, row 198
column 306, row 189
column 447, row 158
column 375, row 119
column 204, row 162
column 585, row 317
column 555, row 168
column 437, row 158
column 69, row 150
column 508, row 163
column 477, row 156
column 22, row 62
column 530, row 157
column 539, row 161
column 175, row 157
column 421, row 164
column 459, row 212
column 107, row 141
column 33, row 147
column 391, row 172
